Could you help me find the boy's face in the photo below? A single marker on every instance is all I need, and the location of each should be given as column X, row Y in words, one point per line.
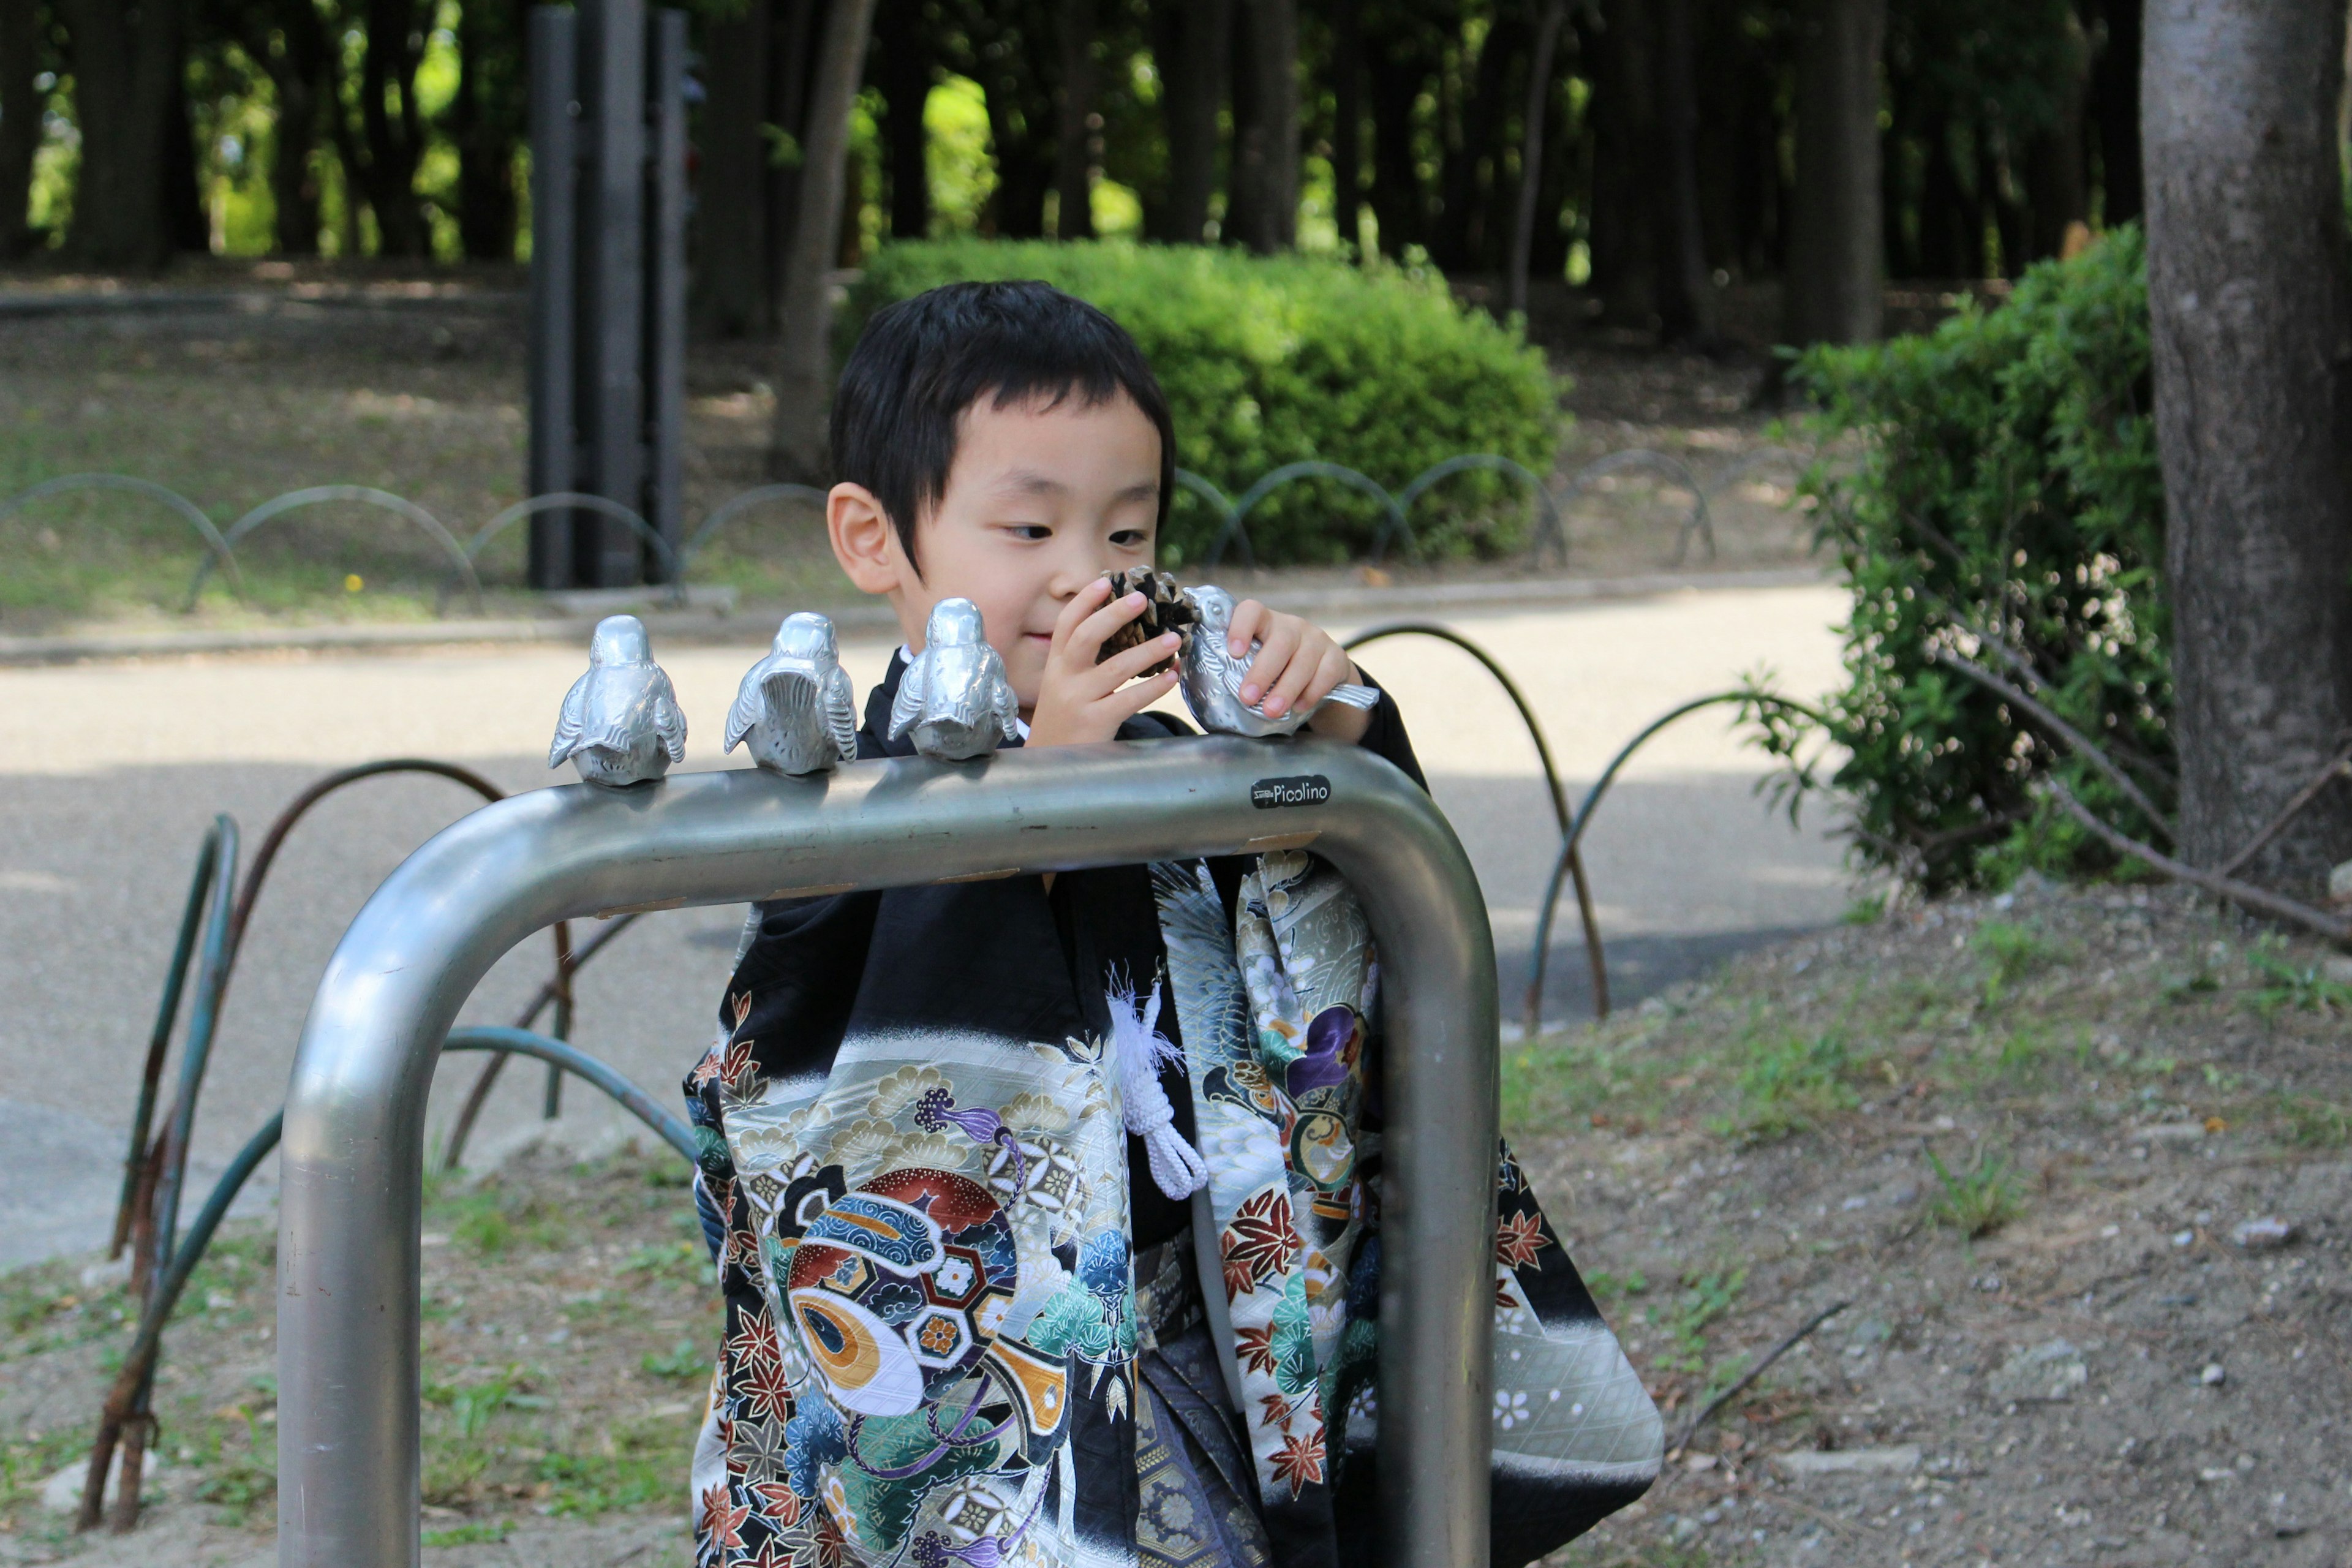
column 1040, row 501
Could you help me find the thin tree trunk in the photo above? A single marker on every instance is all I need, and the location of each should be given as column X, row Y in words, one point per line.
column 2115, row 110
column 299, row 78
column 1264, row 211
column 2057, row 190
column 2251, row 311
column 486, row 122
column 1347, row 122
column 1686, row 294
column 1192, row 41
column 393, row 133
column 1624, row 180
column 803, row 365
column 1396, row 75
column 126, row 56
column 187, row 220
column 791, row 47
column 20, row 122
column 1835, row 293
column 902, row 71
column 1074, row 184
column 1454, row 239
column 1531, row 160
column 731, row 210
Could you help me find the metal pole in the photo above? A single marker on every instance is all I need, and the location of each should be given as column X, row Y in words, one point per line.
column 665, row 496
column 611, row 320
column 554, row 261
column 354, row 1153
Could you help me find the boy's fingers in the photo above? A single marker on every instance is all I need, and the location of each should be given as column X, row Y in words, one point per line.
column 1335, row 667
column 1097, row 628
column 1129, row 663
column 1280, row 641
column 1293, row 682
column 1128, row 701
column 1245, row 625
column 1083, row 603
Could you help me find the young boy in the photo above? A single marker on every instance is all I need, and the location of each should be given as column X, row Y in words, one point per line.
column 965, row 1316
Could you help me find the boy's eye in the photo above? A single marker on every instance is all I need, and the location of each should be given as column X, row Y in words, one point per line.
column 1030, row 530
column 1130, row 539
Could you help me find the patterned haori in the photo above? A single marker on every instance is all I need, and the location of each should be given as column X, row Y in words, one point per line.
column 942, row 1346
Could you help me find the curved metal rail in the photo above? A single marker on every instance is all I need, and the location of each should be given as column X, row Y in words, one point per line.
column 673, row 566
column 1574, row 837
column 179, row 504
column 462, row 563
column 1593, row 954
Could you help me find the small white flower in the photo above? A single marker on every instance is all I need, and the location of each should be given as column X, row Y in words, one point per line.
column 1510, row 1408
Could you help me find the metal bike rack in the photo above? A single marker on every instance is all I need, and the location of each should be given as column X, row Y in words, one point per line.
column 352, row 1160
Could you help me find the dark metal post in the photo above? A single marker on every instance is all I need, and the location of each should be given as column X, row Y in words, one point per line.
column 665, row 376
column 554, row 261
column 611, row 319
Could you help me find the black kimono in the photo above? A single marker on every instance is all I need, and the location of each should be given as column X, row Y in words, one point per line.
column 967, row 1328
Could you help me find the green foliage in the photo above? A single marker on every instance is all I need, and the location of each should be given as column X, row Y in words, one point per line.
column 2011, row 953
column 1267, row 361
column 1704, row 1297
column 635, row 1465
column 2299, row 987
column 1789, row 1082
column 1979, row 1200
column 2006, row 501
column 2314, row 1122
column 683, row 1360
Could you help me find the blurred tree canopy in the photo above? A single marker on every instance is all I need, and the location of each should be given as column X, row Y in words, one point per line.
column 132, row 129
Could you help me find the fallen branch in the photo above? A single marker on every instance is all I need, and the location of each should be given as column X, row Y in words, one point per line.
column 2221, row 887
column 1753, row 1373
column 2340, row 765
column 2082, row 743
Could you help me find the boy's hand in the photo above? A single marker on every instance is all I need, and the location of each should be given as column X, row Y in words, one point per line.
column 1079, row 700
column 1297, row 666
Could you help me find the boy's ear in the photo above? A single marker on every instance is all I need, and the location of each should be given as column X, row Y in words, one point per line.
column 863, row 540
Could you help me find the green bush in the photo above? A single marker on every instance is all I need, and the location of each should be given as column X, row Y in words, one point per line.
column 1269, row 360
column 2007, row 489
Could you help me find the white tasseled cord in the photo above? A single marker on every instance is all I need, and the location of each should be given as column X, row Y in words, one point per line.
column 1139, row 1049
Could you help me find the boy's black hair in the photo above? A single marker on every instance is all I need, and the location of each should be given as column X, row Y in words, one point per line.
column 921, row 361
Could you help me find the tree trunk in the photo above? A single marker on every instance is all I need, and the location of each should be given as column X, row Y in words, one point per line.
column 902, row 72
column 1624, row 173
column 1018, row 62
column 391, row 127
column 1685, row 293
column 2057, row 191
column 299, row 76
column 792, row 48
column 187, row 220
column 487, row 122
column 1834, row 291
column 1073, row 133
column 1347, row 123
column 730, row 207
column 126, row 55
column 1396, row 75
column 1951, row 237
column 1453, row 239
column 2251, row 315
column 20, row 122
column 1263, row 211
column 1531, row 150
column 2115, row 110
column 803, row 365
column 1191, row 41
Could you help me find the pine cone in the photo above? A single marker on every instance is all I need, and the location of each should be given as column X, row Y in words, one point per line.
column 1165, row 610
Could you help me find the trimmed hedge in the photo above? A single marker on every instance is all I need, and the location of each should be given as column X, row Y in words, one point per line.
column 2007, row 487
column 1267, row 361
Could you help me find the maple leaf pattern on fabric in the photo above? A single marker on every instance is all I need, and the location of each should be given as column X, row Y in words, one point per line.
column 765, row 1394
column 722, row 1522
column 775, row 1502
column 1519, row 1238
column 754, row 1340
column 1259, row 1240
column 1254, row 1347
column 1277, row 1408
column 1301, row 1460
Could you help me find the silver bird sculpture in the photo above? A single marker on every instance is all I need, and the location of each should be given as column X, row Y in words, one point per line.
column 797, row 707
column 1211, row 677
column 620, row 724
column 954, row 695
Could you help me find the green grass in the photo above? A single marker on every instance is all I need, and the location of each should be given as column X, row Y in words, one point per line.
column 683, row 1360
column 635, row 1464
column 1703, row 1298
column 2008, row 953
column 473, row 1532
column 1979, row 1200
column 1789, row 1083
column 2315, row 1123
column 2300, row 987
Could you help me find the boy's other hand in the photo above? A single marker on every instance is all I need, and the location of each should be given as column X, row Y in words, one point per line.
column 1079, row 700
column 1297, row 666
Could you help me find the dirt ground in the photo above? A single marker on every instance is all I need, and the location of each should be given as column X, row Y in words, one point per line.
column 2075, row 1159
column 231, row 383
